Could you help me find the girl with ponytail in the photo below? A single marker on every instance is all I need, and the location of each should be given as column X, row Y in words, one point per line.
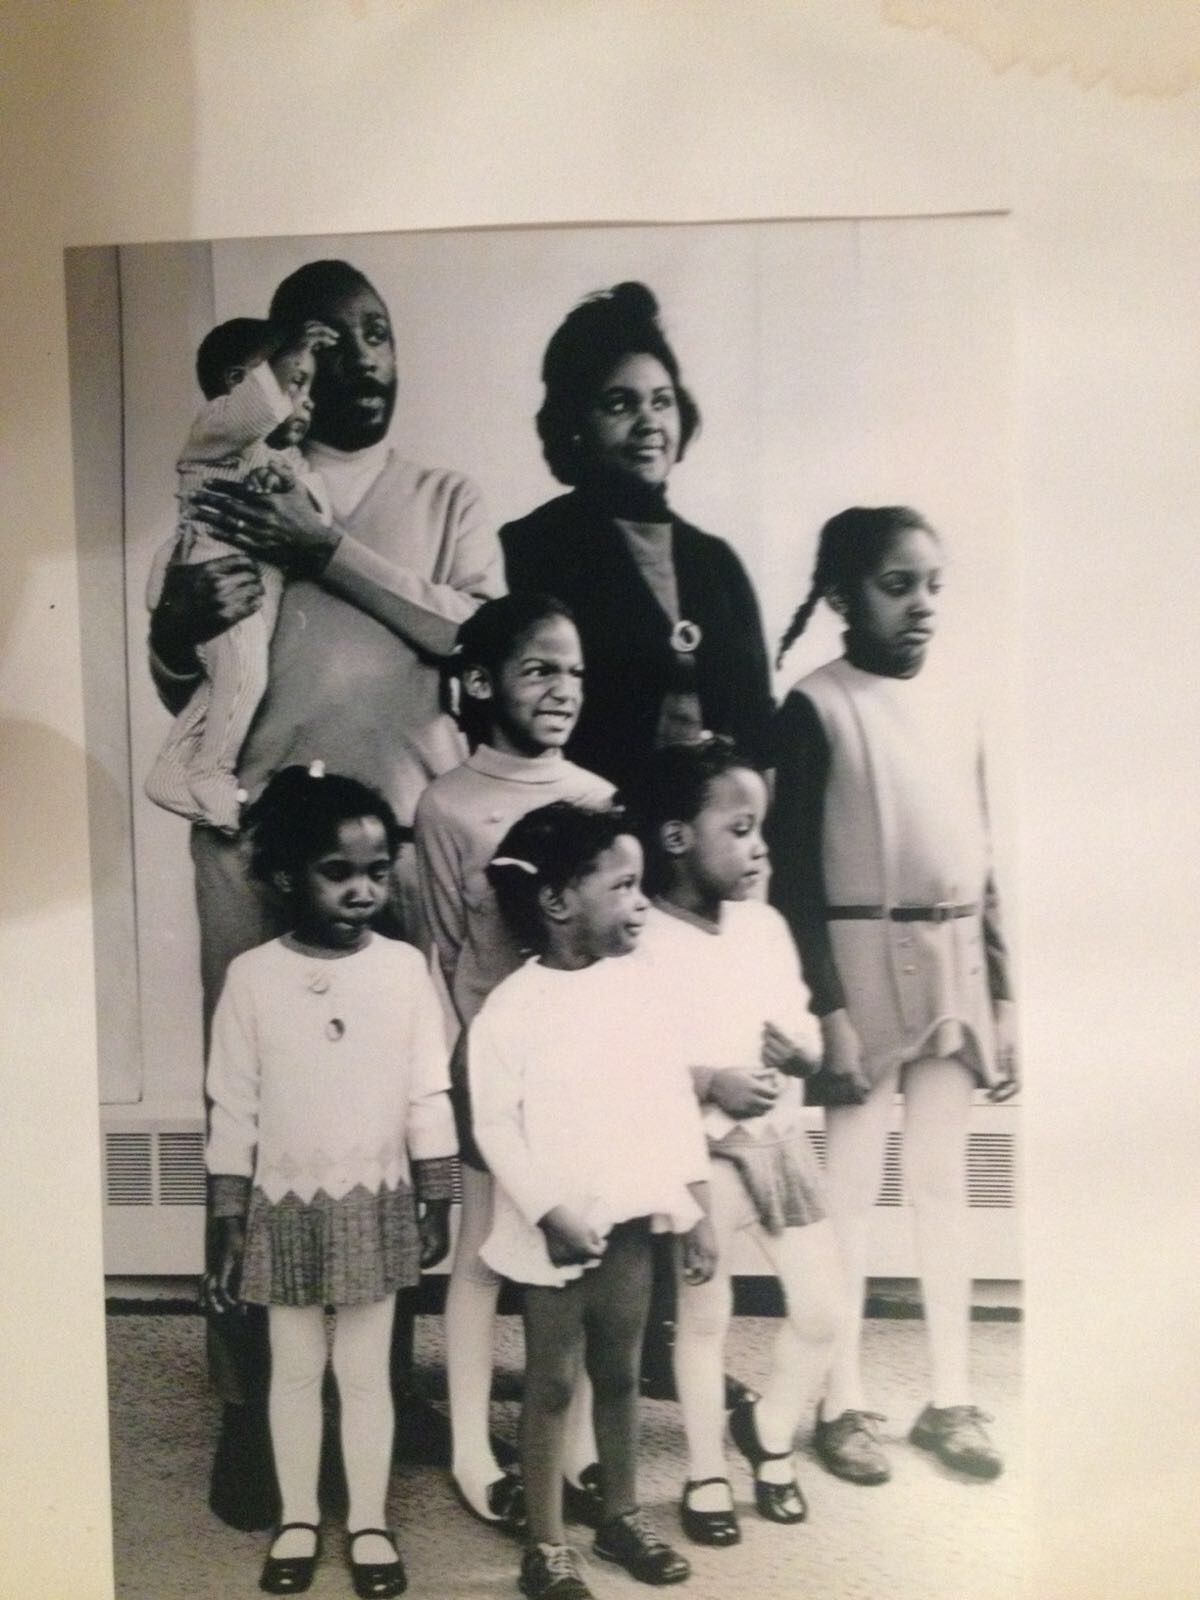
column 880, row 848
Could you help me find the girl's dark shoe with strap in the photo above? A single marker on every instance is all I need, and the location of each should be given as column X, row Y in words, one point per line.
column 377, row 1580
column 290, row 1574
column 778, row 1502
column 849, row 1447
column 551, row 1572
column 504, row 1499
column 632, row 1543
column 957, row 1436
column 716, row 1528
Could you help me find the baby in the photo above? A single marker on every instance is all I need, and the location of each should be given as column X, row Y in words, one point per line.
column 256, row 381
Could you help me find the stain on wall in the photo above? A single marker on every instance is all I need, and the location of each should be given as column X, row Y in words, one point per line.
column 1132, row 48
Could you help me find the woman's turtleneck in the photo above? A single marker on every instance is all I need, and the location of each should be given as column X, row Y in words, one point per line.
column 870, row 656
column 626, row 499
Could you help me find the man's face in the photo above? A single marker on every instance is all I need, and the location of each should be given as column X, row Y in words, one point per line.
column 354, row 391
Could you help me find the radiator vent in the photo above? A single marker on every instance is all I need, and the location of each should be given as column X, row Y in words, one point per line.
column 991, row 1174
column 128, row 1169
column 181, row 1169
column 154, row 1168
column 990, row 1169
column 166, row 1169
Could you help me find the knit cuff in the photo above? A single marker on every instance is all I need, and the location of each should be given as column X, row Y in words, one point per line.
column 228, row 1194
column 433, row 1179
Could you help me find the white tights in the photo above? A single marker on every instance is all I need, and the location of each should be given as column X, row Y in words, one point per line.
column 471, row 1299
column 806, row 1262
column 937, row 1105
column 361, row 1347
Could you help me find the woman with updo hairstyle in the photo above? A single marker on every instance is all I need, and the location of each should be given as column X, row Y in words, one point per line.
column 668, row 620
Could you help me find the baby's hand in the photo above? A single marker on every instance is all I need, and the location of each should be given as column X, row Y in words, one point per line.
column 742, row 1093
column 311, row 335
column 1006, row 1053
column 843, row 1055
column 270, row 479
column 570, row 1241
column 698, row 1249
column 433, row 1229
column 784, row 1054
column 294, row 361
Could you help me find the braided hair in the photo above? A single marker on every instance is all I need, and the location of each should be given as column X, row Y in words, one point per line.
column 851, row 545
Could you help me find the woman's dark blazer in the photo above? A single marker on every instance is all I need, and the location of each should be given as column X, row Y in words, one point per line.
column 572, row 550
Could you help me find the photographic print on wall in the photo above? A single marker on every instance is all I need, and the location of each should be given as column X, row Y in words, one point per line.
column 831, row 365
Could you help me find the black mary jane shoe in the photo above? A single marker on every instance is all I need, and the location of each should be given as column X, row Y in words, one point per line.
column 778, row 1502
column 377, row 1580
column 716, row 1528
column 505, row 1503
column 290, row 1574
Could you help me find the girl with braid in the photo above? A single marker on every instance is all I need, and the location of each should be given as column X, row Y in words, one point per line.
column 880, row 846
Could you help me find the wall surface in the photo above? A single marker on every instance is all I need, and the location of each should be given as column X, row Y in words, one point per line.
column 168, row 120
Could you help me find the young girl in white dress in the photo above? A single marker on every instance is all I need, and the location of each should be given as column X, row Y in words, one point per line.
column 728, row 961
column 519, row 667
column 882, row 867
column 584, row 1110
column 330, row 1146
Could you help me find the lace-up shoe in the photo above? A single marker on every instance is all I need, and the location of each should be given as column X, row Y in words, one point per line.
column 957, row 1436
column 551, row 1572
column 632, row 1543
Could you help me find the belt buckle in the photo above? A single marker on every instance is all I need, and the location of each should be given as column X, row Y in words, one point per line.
column 942, row 911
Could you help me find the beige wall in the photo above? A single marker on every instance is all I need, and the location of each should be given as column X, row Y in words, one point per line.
column 166, row 120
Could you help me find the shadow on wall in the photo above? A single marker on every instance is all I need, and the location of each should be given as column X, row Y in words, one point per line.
column 44, row 850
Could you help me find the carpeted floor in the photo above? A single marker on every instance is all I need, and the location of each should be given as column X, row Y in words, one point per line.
column 927, row 1535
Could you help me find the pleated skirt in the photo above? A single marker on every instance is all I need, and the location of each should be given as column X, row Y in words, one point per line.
column 348, row 1251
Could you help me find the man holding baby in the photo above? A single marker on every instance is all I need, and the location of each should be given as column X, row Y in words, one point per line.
column 373, row 598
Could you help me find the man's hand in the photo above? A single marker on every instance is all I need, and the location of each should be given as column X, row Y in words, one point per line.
column 219, row 1287
column 433, row 1226
column 199, row 602
column 285, row 529
column 570, row 1241
column 741, row 1092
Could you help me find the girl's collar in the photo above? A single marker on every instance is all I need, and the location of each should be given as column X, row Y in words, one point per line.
column 544, row 768
column 682, row 914
column 317, row 952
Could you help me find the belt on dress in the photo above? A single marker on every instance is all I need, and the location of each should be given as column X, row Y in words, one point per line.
column 944, row 912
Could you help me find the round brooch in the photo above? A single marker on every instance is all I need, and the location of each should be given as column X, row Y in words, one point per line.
column 686, row 637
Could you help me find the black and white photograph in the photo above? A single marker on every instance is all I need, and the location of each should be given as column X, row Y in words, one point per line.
column 598, row 791
column 558, row 977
